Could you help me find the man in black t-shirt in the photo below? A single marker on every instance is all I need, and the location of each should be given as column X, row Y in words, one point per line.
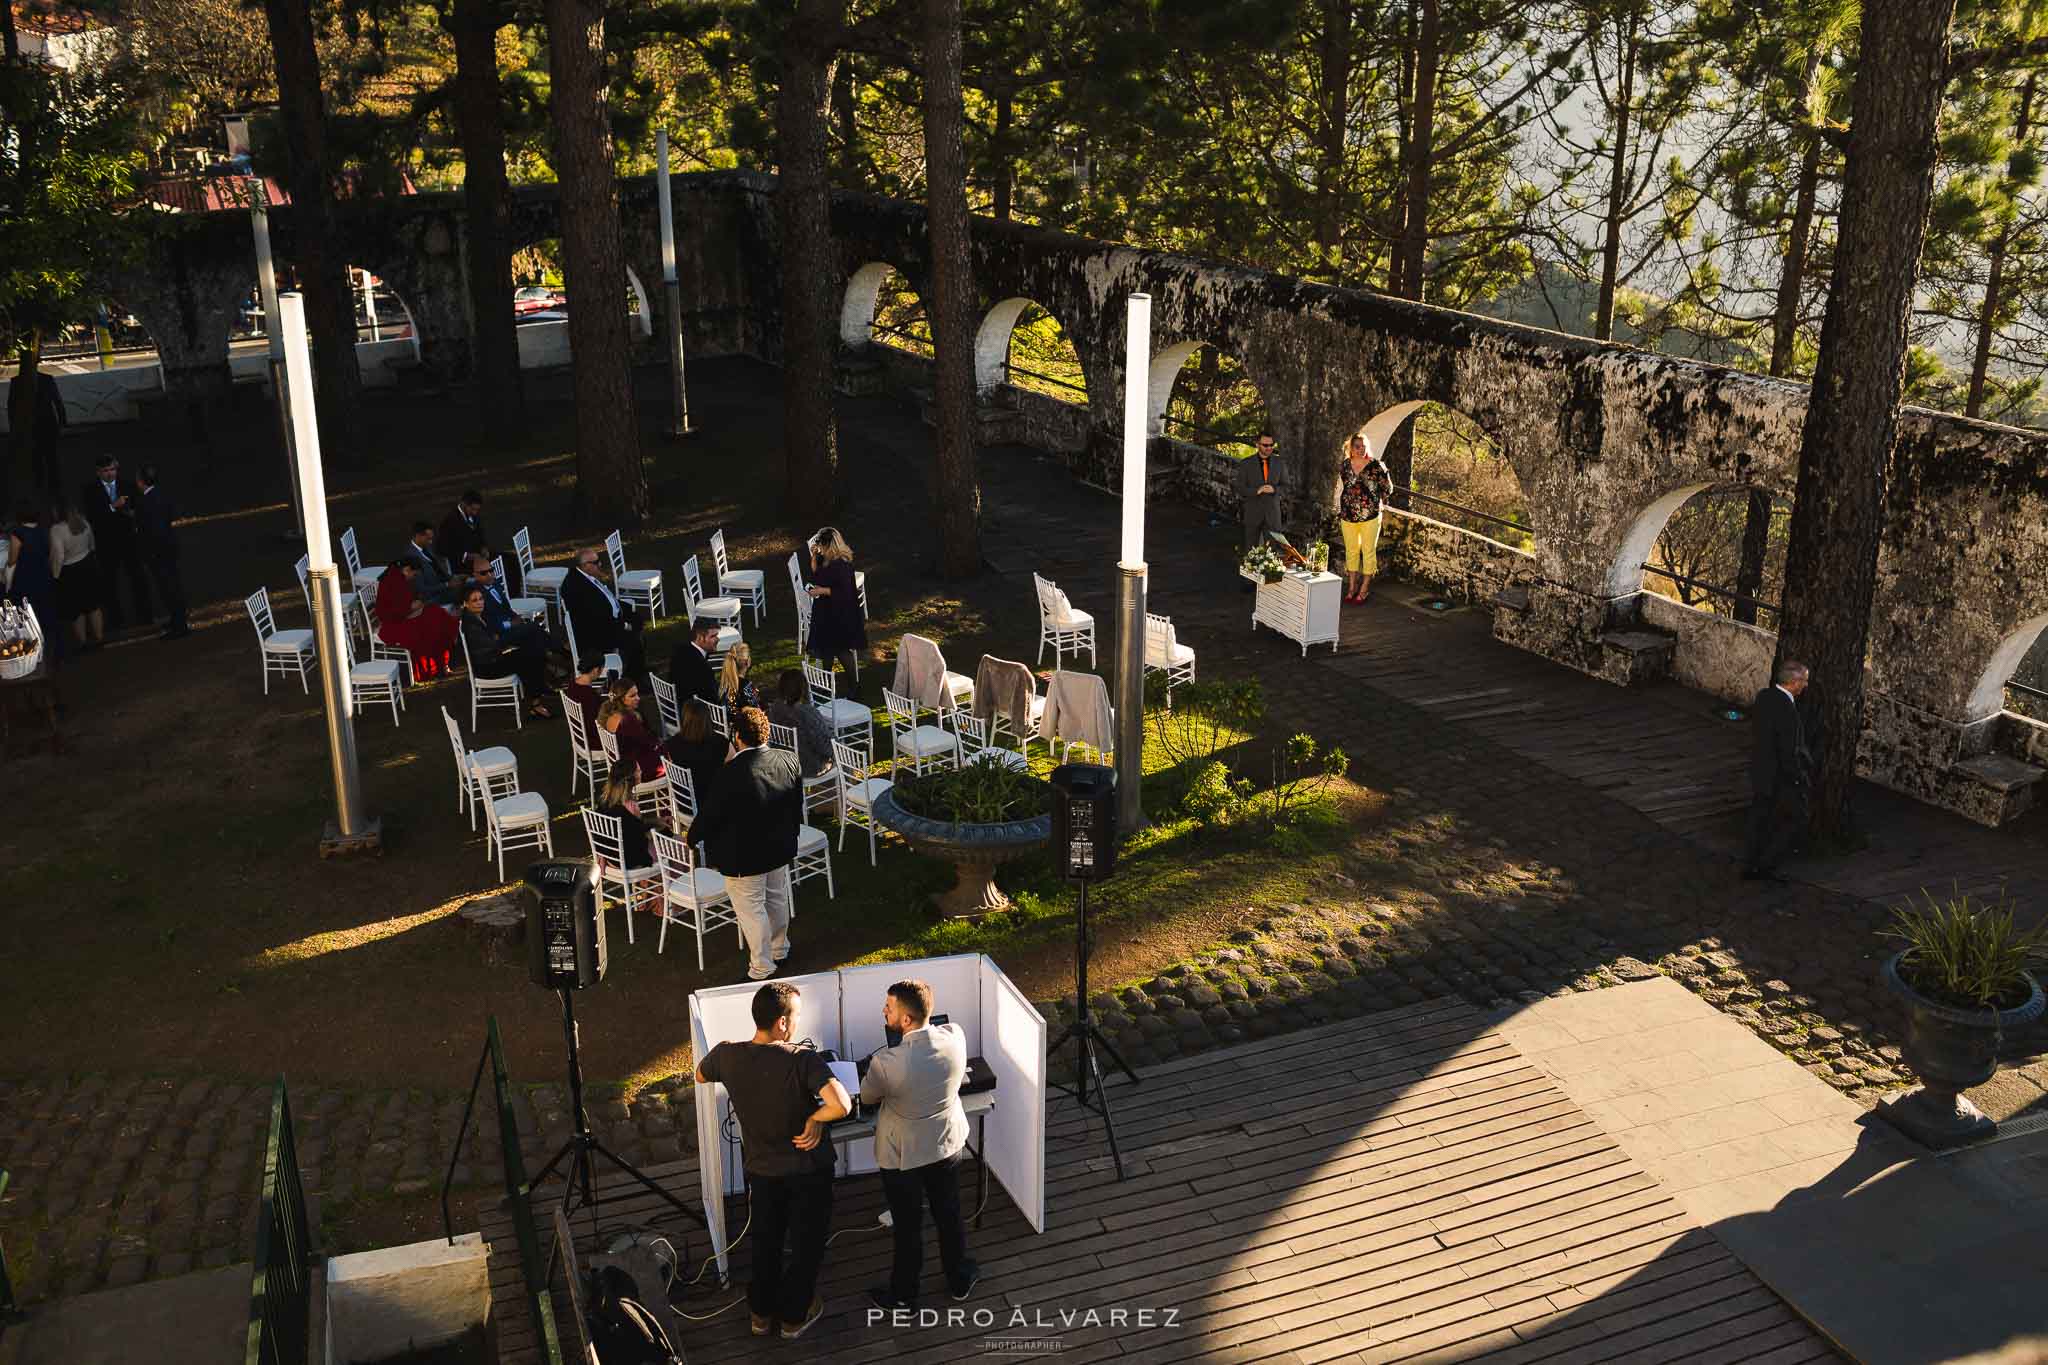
column 783, row 1096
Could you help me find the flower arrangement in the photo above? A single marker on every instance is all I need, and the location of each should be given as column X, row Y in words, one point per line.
column 1319, row 556
column 1264, row 562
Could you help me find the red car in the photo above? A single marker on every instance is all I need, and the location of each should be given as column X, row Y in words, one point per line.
column 535, row 299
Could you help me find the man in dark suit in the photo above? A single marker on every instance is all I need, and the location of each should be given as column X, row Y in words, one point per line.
column 1258, row 485
column 689, row 668
column 748, row 830
column 1778, row 774
column 462, row 531
column 158, row 542
column 600, row 620
column 511, row 629
column 435, row 581
column 109, row 503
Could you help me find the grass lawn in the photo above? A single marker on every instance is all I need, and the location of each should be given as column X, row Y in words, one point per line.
column 181, row 923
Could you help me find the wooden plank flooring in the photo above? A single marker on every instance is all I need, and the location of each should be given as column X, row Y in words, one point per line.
column 1404, row 1187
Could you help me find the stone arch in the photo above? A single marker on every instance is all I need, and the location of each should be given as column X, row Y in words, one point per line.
column 1170, row 363
column 857, row 307
column 1625, row 570
column 993, row 342
column 1380, row 431
column 643, row 318
column 1988, row 697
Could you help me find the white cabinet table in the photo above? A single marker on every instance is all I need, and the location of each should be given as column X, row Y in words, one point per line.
column 1302, row 606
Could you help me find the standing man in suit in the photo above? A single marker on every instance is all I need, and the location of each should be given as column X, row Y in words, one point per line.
column 748, row 829
column 158, row 542
column 1258, row 484
column 462, row 531
column 1778, row 774
column 109, row 503
column 433, row 583
column 689, row 668
column 920, row 1132
column 602, row 622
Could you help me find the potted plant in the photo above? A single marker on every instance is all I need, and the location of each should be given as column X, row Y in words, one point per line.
column 1964, row 980
column 977, row 816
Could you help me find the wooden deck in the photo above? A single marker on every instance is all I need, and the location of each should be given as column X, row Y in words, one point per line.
column 1403, row 1187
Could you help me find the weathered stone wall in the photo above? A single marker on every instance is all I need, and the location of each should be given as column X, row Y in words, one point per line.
column 1715, row 654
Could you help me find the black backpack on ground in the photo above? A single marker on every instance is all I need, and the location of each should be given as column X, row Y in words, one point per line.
column 622, row 1330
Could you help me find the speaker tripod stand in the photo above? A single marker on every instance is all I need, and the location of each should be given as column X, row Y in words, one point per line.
column 582, row 1150
column 1088, row 1037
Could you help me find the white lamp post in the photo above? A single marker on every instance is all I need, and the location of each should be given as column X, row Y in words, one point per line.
column 350, row 830
column 273, row 333
column 672, row 289
column 1130, row 569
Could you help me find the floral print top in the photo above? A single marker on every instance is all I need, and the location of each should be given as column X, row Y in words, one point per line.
column 1363, row 489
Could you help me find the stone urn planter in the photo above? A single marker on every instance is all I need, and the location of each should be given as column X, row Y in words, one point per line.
column 1950, row 1050
column 975, row 850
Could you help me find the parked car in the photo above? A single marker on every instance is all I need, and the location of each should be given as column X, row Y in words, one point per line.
column 535, row 299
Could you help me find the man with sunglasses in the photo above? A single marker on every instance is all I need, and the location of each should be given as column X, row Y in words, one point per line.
column 603, row 621
column 1258, row 483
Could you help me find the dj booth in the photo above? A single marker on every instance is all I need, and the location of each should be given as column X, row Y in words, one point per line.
column 842, row 1014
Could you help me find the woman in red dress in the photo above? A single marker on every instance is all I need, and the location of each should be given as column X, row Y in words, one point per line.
column 421, row 629
column 620, row 714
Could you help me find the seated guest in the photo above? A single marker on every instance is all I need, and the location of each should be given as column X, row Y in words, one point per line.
column 617, row 800
column 699, row 748
column 434, row 584
column 689, row 668
column 424, row 631
column 736, row 691
column 601, row 621
column 585, row 690
column 498, row 613
column 620, row 715
column 792, row 707
column 462, row 530
column 491, row 655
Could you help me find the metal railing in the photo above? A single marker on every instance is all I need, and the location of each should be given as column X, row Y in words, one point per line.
column 1218, row 438
column 1010, row 368
column 1417, row 495
column 2010, row 685
column 280, row 1291
column 533, row 1267
column 924, row 344
column 8, row 1307
column 1712, row 589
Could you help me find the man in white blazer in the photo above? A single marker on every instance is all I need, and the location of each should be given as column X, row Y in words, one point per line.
column 920, row 1134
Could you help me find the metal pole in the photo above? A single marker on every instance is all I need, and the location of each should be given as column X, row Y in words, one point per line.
column 1130, row 697
column 273, row 335
column 370, row 306
column 351, row 829
column 672, row 289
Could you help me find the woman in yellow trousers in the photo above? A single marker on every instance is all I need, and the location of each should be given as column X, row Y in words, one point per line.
column 1363, row 487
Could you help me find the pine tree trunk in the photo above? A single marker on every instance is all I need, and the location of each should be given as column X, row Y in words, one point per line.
column 609, row 477
column 1852, row 416
column 809, row 264
column 10, row 41
column 1336, row 84
column 1617, row 179
column 487, row 202
column 1414, row 245
column 323, row 273
column 1756, row 524
column 846, row 115
column 1994, row 283
column 1003, row 156
column 956, row 493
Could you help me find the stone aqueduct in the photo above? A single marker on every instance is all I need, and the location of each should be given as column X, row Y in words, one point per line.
column 1606, row 440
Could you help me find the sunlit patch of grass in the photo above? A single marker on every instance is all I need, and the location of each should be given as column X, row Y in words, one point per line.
column 355, row 936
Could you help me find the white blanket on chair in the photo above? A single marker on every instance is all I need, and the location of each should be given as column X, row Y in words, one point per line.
column 921, row 673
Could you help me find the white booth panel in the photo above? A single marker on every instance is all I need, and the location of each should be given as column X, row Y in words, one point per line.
column 709, row 1100
column 1016, row 1126
column 956, row 991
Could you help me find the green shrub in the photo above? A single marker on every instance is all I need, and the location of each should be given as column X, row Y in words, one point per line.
column 1215, row 798
column 1966, row 955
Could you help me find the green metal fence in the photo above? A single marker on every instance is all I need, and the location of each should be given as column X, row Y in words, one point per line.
column 533, row 1267
column 281, row 1289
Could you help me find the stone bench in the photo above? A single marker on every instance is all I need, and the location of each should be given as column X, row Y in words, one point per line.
column 1631, row 658
column 1994, row 788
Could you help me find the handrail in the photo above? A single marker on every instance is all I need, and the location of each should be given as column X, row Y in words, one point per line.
column 1713, row 588
column 2011, row 686
column 925, row 342
column 8, row 1307
column 461, row 1135
column 1171, row 421
column 281, row 1286
column 1468, row 511
column 1010, row 367
column 519, row 1199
